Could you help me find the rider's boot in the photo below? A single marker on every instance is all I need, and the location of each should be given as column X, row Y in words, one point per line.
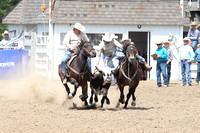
column 115, row 71
column 148, row 68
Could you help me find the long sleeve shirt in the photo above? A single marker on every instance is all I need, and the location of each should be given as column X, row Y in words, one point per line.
column 162, row 52
column 197, row 55
column 170, row 54
column 193, row 34
column 108, row 49
column 9, row 41
column 186, row 53
column 72, row 40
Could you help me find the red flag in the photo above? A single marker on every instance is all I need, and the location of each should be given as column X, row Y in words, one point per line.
column 43, row 8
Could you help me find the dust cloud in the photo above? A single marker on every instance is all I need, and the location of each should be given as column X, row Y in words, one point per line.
column 33, row 88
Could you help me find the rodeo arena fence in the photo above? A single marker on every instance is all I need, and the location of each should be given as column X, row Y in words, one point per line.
column 26, row 54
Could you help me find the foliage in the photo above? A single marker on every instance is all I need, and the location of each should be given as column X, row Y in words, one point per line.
column 5, row 7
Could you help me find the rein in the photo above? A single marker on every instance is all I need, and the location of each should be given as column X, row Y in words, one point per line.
column 81, row 75
column 128, row 77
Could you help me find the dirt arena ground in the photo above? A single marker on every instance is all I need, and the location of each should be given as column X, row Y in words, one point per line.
column 40, row 105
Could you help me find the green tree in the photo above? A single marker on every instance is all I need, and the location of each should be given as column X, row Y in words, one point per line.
column 5, row 7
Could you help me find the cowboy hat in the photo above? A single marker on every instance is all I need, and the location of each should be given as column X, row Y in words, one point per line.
column 168, row 42
column 157, row 43
column 125, row 37
column 108, row 37
column 198, row 45
column 79, row 26
column 5, row 32
column 193, row 23
column 186, row 39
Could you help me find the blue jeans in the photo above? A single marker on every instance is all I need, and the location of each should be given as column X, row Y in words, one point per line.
column 194, row 44
column 113, row 61
column 66, row 56
column 140, row 58
column 64, row 61
column 168, row 72
column 185, row 66
column 198, row 72
column 161, row 67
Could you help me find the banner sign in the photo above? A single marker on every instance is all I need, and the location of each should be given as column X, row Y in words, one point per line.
column 13, row 63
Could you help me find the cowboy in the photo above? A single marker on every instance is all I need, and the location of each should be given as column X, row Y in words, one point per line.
column 167, row 45
column 161, row 57
column 127, row 40
column 72, row 41
column 193, row 35
column 7, row 40
column 186, row 55
column 197, row 60
column 108, row 47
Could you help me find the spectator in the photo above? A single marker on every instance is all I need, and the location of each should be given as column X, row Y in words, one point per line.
column 186, row 55
column 193, row 35
column 197, row 60
column 169, row 59
column 7, row 40
column 161, row 57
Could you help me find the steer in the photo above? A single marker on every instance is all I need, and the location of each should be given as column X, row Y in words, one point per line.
column 99, row 84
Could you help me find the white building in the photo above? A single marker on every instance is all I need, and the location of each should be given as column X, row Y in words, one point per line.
column 144, row 21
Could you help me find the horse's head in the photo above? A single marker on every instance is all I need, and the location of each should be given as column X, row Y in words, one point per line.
column 88, row 50
column 130, row 52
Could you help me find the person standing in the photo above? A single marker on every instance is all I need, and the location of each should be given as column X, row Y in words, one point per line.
column 193, row 35
column 7, row 40
column 186, row 55
column 169, row 59
column 161, row 58
column 197, row 60
column 72, row 42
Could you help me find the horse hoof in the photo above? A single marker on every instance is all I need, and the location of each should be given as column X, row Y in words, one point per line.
column 70, row 96
column 117, row 105
column 133, row 103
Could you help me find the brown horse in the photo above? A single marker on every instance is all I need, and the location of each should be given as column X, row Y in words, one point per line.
column 129, row 74
column 79, row 71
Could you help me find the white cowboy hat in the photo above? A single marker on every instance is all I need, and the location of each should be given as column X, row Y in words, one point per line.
column 5, row 32
column 193, row 23
column 186, row 39
column 198, row 45
column 125, row 37
column 158, row 43
column 168, row 42
column 108, row 37
column 79, row 26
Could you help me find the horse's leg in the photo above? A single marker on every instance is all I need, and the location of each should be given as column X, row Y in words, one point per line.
column 68, row 91
column 121, row 99
column 91, row 97
column 76, row 85
column 128, row 97
column 84, row 95
column 134, row 98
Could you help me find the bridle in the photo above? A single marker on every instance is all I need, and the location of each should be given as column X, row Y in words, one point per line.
column 128, row 77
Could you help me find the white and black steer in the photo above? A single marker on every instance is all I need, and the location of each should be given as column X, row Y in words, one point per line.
column 99, row 84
